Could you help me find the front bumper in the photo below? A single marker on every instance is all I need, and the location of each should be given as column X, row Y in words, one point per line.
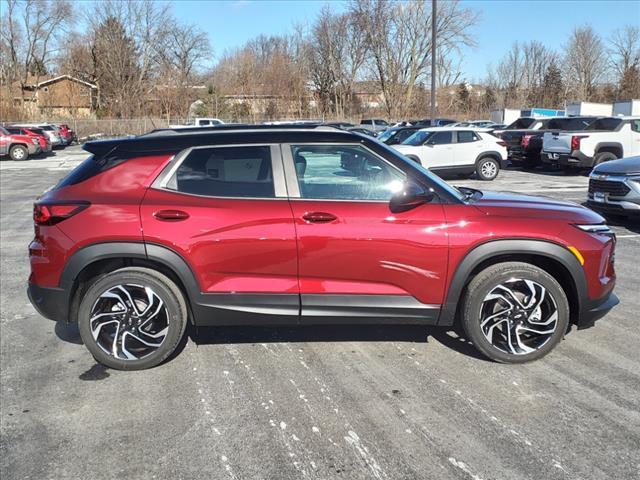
column 596, row 309
column 51, row 303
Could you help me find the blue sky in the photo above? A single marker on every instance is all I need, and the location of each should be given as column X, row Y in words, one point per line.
column 230, row 23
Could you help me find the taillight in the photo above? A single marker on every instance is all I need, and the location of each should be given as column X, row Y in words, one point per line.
column 50, row 214
column 502, row 144
column 525, row 140
column 575, row 141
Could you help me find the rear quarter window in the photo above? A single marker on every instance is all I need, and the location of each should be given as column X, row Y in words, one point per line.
column 87, row 169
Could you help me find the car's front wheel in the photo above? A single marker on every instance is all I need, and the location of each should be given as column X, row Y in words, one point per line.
column 132, row 318
column 487, row 168
column 19, row 152
column 515, row 312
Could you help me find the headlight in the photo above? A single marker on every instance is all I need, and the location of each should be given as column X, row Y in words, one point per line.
column 598, row 228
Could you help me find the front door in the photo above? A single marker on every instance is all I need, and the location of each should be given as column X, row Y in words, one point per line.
column 439, row 150
column 358, row 261
column 225, row 211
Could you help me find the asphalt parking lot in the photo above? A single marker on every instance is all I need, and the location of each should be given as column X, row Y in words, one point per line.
column 323, row 402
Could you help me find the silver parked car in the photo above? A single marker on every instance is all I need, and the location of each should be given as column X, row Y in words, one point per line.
column 614, row 187
column 51, row 131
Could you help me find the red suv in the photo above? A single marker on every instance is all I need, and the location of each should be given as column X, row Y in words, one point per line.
column 247, row 226
column 17, row 147
column 34, row 132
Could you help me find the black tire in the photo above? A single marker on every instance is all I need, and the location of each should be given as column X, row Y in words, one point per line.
column 473, row 311
column 175, row 314
column 18, row 153
column 603, row 157
column 487, row 168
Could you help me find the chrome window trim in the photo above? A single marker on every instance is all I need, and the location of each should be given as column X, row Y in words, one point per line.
column 292, row 177
column 277, row 171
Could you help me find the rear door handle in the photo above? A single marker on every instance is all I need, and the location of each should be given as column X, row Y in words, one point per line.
column 171, row 215
column 319, row 217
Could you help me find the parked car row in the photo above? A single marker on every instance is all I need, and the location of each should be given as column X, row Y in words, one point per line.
column 571, row 143
column 21, row 141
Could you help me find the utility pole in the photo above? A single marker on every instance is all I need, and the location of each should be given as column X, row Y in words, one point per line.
column 433, row 60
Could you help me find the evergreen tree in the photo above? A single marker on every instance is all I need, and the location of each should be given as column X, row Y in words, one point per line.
column 463, row 97
column 489, row 99
column 629, row 83
column 553, row 87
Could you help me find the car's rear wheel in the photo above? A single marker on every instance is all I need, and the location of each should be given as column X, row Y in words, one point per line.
column 603, row 157
column 132, row 318
column 487, row 168
column 515, row 312
column 19, row 152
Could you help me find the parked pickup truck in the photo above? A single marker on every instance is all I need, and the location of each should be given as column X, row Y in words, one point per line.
column 607, row 138
column 524, row 145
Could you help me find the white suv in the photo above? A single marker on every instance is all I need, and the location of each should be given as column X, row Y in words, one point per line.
column 460, row 151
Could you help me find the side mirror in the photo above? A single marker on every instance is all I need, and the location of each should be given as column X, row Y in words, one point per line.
column 411, row 196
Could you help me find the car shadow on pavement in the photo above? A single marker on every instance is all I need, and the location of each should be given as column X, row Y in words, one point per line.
column 68, row 332
column 334, row 333
column 450, row 338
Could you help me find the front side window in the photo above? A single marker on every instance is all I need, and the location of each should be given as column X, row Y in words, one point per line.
column 344, row 172
column 441, row 138
column 635, row 125
column 226, row 172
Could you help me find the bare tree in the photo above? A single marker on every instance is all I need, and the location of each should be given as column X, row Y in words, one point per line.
column 336, row 53
column 30, row 32
column 399, row 40
column 585, row 62
column 624, row 49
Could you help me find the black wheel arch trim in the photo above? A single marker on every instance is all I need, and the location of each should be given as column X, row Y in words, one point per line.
column 616, row 145
column 496, row 248
column 491, row 154
column 127, row 250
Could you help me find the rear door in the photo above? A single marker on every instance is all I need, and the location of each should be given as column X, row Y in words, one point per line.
column 358, row 261
column 225, row 211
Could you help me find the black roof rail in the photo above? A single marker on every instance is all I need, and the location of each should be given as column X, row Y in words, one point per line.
column 231, row 126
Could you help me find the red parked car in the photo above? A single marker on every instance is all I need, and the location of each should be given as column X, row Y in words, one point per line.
column 43, row 140
column 67, row 135
column 253, row 225
column 17, row 147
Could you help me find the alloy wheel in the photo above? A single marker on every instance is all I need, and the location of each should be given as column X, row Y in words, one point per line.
column 489, row 169
column 518, row 316
column 129, row 322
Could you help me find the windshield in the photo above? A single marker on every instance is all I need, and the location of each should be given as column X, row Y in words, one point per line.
column 386, row 135
column 433, row 178
column 417, row 138
column 608, row 124
column 521, row 124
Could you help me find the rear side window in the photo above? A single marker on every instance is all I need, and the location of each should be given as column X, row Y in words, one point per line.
column 226, row 172
column 607, row 124
column 467, row 137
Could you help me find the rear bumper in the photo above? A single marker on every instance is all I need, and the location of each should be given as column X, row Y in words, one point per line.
column 574, row 159
column 51, row 303
column 596, row 309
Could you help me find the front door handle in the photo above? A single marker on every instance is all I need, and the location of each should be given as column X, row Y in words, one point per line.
column 319, row 217
column 171, row 215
